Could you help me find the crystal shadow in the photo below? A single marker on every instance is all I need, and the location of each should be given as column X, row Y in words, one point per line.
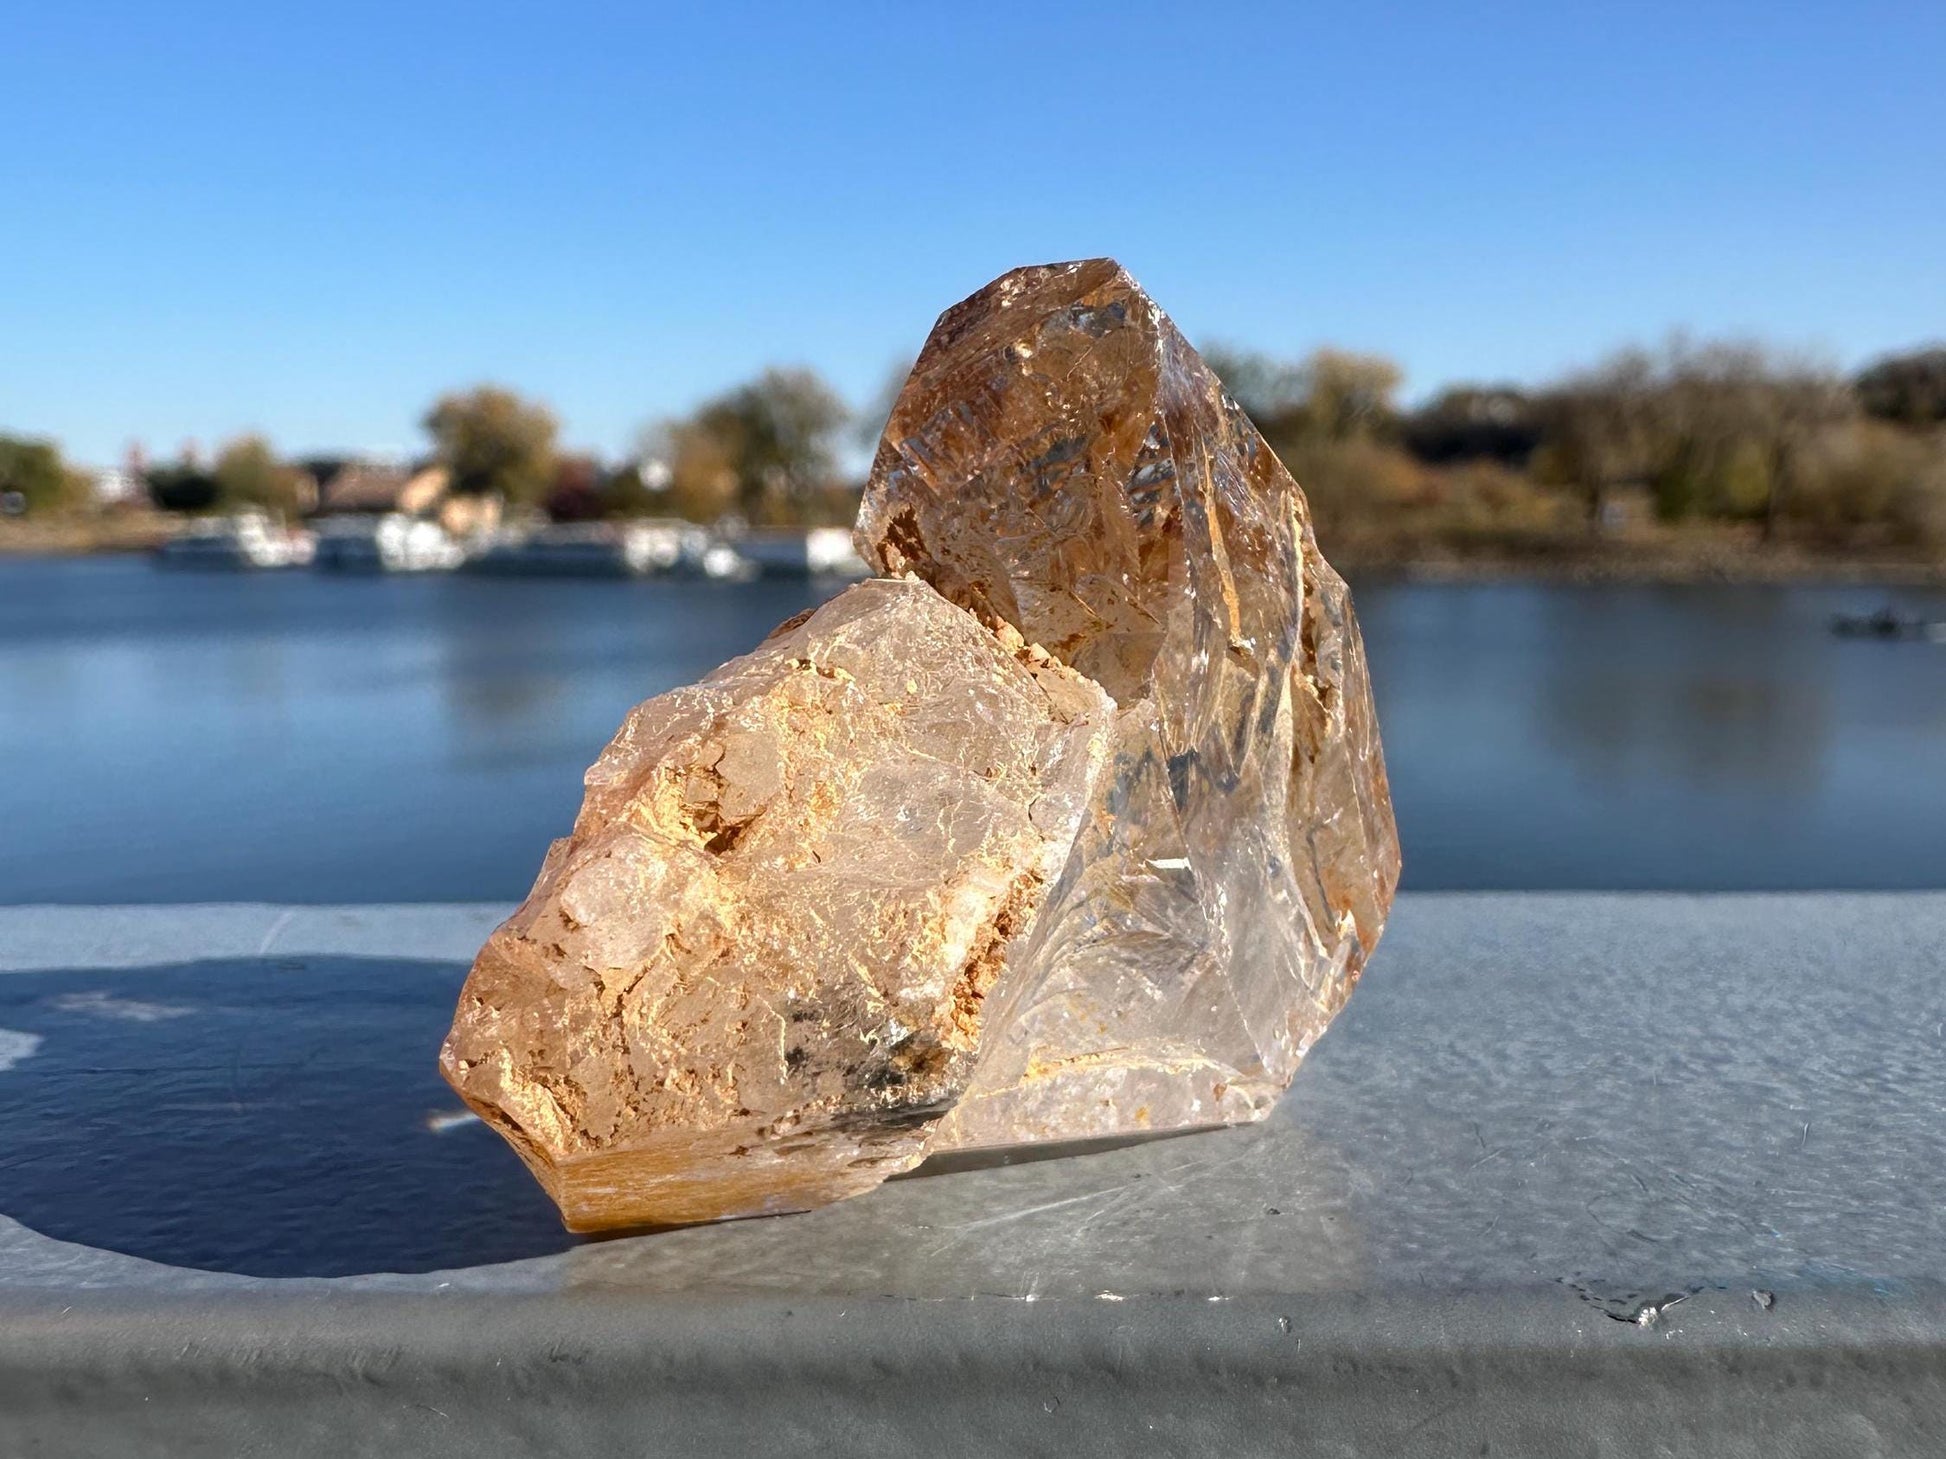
column 273, row 1117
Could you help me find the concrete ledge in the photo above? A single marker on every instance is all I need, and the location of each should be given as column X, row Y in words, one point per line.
column 614, row 1373
column 1573, row 1174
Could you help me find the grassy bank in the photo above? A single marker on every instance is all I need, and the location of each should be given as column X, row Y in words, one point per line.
column 1647, row 563
column 62, row 536
column 1647, row 551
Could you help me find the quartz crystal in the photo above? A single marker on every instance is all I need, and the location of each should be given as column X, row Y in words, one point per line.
column 752, row 978
column 1062, row 461
column 1073, row 824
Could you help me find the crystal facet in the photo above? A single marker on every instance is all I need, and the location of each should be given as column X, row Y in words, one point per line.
column 752, row 978
column 1062, row 461
column 1074, row 824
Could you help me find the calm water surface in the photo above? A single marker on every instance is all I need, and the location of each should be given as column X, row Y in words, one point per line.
column 291, row 737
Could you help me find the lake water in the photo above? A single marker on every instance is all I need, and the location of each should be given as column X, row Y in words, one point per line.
column 169, row 736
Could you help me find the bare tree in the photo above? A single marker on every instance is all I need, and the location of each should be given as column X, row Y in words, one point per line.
column 1348, row 395
column 1599, row 429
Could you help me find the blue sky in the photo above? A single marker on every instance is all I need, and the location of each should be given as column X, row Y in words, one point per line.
column 308, row 220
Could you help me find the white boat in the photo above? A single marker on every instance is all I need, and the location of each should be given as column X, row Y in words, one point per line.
column 801, row 552
column 241, row 541
column 601, row 549
column 392, row 542
column 664, row 546
column 723, row 563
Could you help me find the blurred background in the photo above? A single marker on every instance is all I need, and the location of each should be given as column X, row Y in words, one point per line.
column 391, row 396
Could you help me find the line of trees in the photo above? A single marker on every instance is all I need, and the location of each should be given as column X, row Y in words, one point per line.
column 1733, row 435
column 34, row 478
column 768, row 451
column 247, row 472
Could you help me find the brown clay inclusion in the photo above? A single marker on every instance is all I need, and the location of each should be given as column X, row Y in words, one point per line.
column 1073, row 825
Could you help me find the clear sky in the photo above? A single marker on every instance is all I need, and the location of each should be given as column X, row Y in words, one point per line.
column 309, row 219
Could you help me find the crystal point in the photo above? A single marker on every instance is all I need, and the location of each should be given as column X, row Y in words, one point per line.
column 753, row 977
column 1062, row 461
column 1074, row 824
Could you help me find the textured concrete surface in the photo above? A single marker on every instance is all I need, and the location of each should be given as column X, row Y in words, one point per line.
column 1573, row 1174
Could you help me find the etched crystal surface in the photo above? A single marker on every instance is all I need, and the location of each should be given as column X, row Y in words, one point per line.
column 1074, row 824
column 1063, row 461
column 753, row 976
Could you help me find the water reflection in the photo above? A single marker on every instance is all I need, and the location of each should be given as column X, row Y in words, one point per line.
column 1708, row 693
column 532, row 673
column 183, row 737
column 1691, row 738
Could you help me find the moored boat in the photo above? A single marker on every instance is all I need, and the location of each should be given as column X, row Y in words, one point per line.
column 801, row 552
column 1885, row 623
column 240, row 541
column 387, row 542
column 597, row 549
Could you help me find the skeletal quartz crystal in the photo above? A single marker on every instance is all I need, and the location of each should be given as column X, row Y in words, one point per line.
column 1074, row 824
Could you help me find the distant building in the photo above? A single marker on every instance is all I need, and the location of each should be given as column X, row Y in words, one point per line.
column 789, row 551
column 384, row 489
column 119, row 486
column 367, row 488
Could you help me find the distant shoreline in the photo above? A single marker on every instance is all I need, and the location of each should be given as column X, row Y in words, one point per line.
column 1622, row 562
column 1782, row 568
column 85, row 537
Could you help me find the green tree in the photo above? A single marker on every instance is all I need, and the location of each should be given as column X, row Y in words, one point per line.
column 767, row 448
column 35, row 471
column 494, row 443
column 248, row 474
column 637, row 489
column 182, row 486
column 701, row 476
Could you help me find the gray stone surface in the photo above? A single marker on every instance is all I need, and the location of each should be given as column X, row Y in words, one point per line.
column 1572, row 1174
